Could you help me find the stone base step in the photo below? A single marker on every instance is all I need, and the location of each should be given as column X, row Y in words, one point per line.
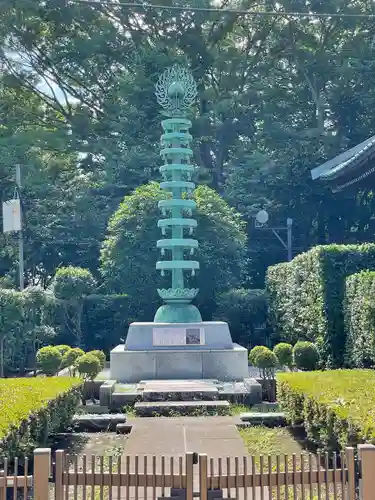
column 97, row 423
column 153, row 408
column 270, row 419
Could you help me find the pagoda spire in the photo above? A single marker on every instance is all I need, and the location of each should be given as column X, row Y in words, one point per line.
column 176, row 91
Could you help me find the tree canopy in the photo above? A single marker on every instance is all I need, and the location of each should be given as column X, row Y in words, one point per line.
column 129, row 251
column 277, row 97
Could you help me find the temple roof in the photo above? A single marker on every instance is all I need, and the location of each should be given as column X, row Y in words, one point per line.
column 349, row 167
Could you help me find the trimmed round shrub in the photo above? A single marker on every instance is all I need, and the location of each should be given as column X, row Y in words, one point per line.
column 71, row 356
column 49, row 360
column 255, row 351
column 284, row 354
column 305, row 356
column 265, row 359
column 88, row 366
column 63, row 349
column 101, row 357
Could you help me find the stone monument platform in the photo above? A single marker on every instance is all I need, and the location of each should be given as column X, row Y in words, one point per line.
column 179, row 351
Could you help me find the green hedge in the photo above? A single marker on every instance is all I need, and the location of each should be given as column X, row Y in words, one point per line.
column 306, row 296
column 359, row 317
column 336, row 407
column 33, row 409
column 246, row 312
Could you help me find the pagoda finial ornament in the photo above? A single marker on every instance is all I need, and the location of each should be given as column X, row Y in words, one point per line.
column 176, row 92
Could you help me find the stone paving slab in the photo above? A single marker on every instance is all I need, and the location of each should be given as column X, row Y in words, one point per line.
column 171, row 436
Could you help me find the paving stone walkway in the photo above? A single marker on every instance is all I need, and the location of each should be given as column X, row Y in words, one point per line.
column 215, row 436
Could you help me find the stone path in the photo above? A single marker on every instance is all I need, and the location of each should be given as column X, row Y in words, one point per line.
column 215, row 436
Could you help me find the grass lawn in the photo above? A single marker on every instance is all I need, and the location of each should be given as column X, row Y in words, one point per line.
column 262, row 441
column 271, row 441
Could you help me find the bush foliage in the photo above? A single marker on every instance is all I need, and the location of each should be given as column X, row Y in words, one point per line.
column 359, row 317
column 49, row 360
column 284, row 354
column 265, row 360
column 32, row 409
column 129, row 251
column 88, row 366
column 101, row 357
column 246, row 312
column 336, row 407
column 70, row 357
column 306, row 296
column 305, row 356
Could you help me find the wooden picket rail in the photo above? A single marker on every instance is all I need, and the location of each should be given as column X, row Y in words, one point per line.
column 279, row 477
column 128, row 477
column 302, row 477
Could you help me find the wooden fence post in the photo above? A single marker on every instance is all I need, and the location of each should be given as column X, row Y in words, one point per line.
column 42, row 471
column 59, row 471
column 350, row 467
column 203, row 474
column 189, row 476
column 366, row 453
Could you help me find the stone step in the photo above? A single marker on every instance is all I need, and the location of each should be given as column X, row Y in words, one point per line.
column 150, row 408
column 179, row 390
column 97, row 423
column 270, row 419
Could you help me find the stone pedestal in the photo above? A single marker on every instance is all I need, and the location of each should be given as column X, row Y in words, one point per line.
column 144, row 358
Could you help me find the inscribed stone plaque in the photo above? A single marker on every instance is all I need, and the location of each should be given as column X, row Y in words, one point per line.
column 168, row 336
column 177, row 336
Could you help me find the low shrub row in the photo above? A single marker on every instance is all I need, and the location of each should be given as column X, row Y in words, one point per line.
column 33, row 409
column 51, row 359
column 306, row 296
column 359, row 317
column 335, row 407
column 303, row 356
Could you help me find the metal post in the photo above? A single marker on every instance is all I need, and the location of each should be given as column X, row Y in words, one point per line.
column 289, row 224
column 21, row 264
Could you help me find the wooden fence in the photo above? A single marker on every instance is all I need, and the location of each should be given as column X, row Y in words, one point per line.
column 302, row 477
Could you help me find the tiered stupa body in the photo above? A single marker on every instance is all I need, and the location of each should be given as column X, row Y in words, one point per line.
column 178, row 344
column 179, row 226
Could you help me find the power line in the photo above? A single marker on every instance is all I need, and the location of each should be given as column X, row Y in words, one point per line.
column 254, row 13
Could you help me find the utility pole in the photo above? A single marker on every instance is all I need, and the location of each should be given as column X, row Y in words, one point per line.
column 261, row 220
column 21, row 264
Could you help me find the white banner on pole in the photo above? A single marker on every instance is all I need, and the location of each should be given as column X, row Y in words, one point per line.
column 11, row 215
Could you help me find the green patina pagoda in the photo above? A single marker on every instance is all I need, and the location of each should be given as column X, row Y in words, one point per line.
column 176, row 91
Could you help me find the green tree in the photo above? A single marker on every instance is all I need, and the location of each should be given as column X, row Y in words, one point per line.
column 305, row 355
column 129, row 250
column 246, row 312
column 284, row 354
column 88, row 366
column 71, row 286
column 49, row 360
column 70, row 357
column 10, row 317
